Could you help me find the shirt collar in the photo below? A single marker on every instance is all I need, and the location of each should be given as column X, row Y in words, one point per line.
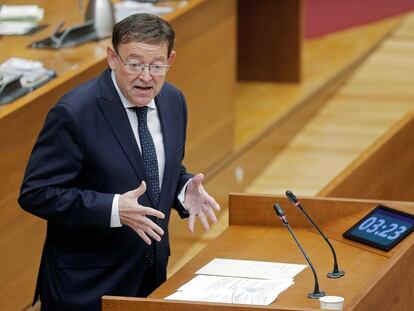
column 124, row 101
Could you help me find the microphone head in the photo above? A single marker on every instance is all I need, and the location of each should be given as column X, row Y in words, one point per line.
column 279, row 211
column 292, row 198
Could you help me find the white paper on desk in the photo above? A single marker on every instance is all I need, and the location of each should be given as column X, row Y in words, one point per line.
column 125, row 8
column 251, row 269
column 30, row 69
column 209, row 288
column 21, row 12
column 16, row 28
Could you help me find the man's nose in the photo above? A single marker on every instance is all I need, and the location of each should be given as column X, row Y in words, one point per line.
column 145, row 74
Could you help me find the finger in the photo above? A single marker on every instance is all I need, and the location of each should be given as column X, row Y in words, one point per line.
column 197, row 180
column 143, row 236
column 191, row 222
column 152, row 234
column 153, row 212
column 154, row 227
column 140, row 190
column 211, row 202
column 142, row 222
column 146, row 229
column 210, row 213
column 204, row 221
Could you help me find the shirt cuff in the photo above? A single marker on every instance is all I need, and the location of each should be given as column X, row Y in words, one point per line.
column 115, row 220
column 181, row 195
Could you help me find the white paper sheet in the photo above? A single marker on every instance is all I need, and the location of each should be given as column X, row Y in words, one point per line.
column 251, row 269
column 125, row 8
column 239, row 281
column 21, row 12
column 231, row 290
column 16, row 28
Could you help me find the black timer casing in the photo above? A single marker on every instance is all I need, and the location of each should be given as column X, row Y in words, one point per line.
column 382, row 228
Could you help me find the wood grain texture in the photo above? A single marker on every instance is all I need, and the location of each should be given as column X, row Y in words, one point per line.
column 392, row 287
column 269, row 40
column 258, row 105
column 376, row 96
column 204, row 70
column 382, row 171
column 110, row 303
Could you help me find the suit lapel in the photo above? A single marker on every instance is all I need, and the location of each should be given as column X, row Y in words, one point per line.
column 115, row 114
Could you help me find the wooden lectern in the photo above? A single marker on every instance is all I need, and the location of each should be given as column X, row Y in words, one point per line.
column 374, row 280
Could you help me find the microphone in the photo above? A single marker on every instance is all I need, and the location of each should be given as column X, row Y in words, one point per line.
column 316, row 292
column 336, row 273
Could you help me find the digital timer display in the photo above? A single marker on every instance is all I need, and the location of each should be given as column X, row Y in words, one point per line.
column 382, row 228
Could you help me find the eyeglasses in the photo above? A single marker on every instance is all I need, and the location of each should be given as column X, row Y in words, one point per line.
column 137, row 68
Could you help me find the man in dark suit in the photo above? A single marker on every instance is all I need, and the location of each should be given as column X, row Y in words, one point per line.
column 106, row 171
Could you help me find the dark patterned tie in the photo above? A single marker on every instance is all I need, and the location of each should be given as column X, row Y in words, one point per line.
column 149, row 154
column 149, row 157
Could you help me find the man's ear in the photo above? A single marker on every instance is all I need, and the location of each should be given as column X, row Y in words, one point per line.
column 111, row 54
column 171, row 58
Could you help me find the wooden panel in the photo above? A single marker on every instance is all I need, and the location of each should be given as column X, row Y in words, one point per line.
column 269, row 40
column 111, row 303
column 391, row 287
column 204, row 70
column 257, row 210
column 382, row 171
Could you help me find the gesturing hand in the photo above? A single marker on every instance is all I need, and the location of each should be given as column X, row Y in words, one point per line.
column 135, row 215
column 199, row 203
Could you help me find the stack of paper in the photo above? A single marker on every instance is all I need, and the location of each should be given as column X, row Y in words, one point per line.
column 32, row 73
column 19, row 19
column 239, row 281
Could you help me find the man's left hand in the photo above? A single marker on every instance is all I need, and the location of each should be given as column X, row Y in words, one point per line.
column 199, row 203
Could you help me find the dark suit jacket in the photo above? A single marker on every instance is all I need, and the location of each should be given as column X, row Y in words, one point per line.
column 86, row 153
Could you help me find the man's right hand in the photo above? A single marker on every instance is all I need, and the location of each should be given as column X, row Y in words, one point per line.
column 135, row 215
